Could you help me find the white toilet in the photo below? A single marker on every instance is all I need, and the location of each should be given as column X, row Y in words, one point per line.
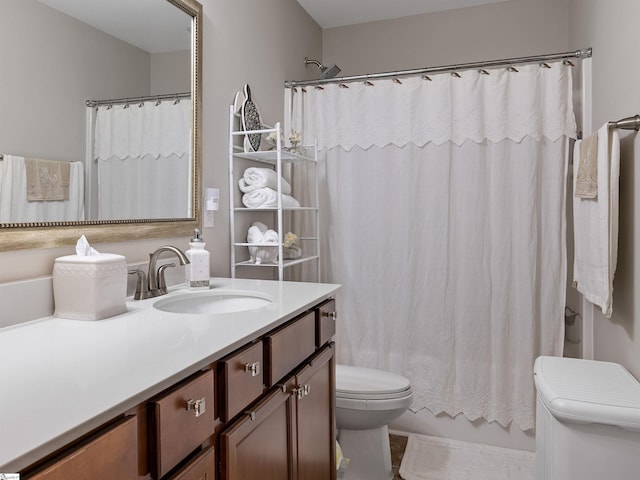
column 366, row 401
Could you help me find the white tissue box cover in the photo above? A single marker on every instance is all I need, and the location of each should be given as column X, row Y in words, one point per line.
column 90, row 287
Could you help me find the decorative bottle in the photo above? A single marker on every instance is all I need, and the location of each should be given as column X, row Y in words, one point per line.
column 197, row 271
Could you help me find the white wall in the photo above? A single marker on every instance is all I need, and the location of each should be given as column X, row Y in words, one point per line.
column 611, row 29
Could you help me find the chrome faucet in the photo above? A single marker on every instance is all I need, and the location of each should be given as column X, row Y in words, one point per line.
column 153, row 284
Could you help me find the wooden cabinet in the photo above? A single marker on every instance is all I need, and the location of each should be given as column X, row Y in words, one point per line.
column 315, row 418
column 265, row 411
column 288, row 346
column 260, row 445
column 326, row 316
column 289, row 434
column 181, row 420
column 203, row 467
column 240, row 380
column 110, row 453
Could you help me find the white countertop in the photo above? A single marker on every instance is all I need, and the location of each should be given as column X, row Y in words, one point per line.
column 62, row 378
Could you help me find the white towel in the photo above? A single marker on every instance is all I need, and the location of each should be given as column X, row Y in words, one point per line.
column 259, row 233
column 595, row 225
column 255, row 178
column 267, row 198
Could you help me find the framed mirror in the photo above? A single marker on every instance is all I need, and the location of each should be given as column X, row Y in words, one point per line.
column 73, row 64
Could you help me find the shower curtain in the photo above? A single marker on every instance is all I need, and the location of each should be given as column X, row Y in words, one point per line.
column 443, row 212
column 16, row 208
column 143, row 156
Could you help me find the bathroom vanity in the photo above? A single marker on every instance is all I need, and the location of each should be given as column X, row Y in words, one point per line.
column 158, row 394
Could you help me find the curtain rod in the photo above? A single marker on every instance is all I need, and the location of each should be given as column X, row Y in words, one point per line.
column 583, row 53
column 117, row 101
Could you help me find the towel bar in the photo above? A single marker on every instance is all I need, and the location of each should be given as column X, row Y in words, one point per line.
column 629, row 123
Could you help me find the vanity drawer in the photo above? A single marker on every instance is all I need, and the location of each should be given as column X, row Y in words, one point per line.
column 111, row 454
column 325, row 322
column 181, row 420
column 288, row 346
column 241, row 380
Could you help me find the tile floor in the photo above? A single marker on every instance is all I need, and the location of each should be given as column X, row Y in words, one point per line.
column 398, row 444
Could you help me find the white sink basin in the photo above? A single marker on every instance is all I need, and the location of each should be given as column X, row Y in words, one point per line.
column 213, row 302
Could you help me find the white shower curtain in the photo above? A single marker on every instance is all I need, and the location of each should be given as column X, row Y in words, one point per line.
column 444, row 217
column 143, row 156
column 14, row 206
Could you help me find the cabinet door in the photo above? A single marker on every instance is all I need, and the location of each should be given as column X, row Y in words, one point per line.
column 261, row 444
column 111, row 454
column 203, row 467
column 315, row 418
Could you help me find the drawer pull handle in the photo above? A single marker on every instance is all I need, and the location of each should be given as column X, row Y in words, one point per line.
column 251, row 413
column 253, row 368
column 198, row 406
column 302, row 391
column 331, row 315
column 298, row 392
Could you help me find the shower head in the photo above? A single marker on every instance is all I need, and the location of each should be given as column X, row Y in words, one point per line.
column 327, row 72
column 330, row 72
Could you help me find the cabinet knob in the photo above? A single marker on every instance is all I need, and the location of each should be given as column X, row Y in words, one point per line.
column 331, row 315
column 253, row 368
column 301, row 391
column 198, row 406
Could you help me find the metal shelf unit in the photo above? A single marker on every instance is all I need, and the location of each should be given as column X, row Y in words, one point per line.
column 280, row 160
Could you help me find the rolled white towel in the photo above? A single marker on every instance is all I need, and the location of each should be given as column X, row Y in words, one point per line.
column 255, row 178
column 259, row 233
column 266, row 197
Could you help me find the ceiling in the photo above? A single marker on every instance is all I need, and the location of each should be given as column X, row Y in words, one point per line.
column 150, row 25
column 338, row 13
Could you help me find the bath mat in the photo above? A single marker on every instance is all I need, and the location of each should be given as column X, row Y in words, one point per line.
column 434, row 458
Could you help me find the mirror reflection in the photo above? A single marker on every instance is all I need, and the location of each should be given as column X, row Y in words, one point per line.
column 95, row 111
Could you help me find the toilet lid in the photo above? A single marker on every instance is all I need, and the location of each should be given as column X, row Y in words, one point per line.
column 356, row 382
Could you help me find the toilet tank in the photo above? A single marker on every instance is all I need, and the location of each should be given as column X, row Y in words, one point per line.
column 587, row 420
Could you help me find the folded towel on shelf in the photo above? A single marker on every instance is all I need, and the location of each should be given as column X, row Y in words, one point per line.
column 47, row 180
column 595, row 224
column 267, row 198
column 587, row 177
column 259, row 233
column 255, row 178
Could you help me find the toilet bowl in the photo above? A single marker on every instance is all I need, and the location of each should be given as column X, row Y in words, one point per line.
column 366, row 401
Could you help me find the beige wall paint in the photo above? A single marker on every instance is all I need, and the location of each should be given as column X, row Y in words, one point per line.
column 170, row 72
column 611, row 29
column 249, row 41
column 503, row 30
column 51, row 64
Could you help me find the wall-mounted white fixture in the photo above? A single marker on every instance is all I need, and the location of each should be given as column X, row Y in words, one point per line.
column 211, row 204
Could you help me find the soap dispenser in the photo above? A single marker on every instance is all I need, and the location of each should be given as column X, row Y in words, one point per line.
column 197, row 271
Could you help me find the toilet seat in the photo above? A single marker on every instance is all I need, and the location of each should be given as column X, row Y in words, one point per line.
column 360, row 383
